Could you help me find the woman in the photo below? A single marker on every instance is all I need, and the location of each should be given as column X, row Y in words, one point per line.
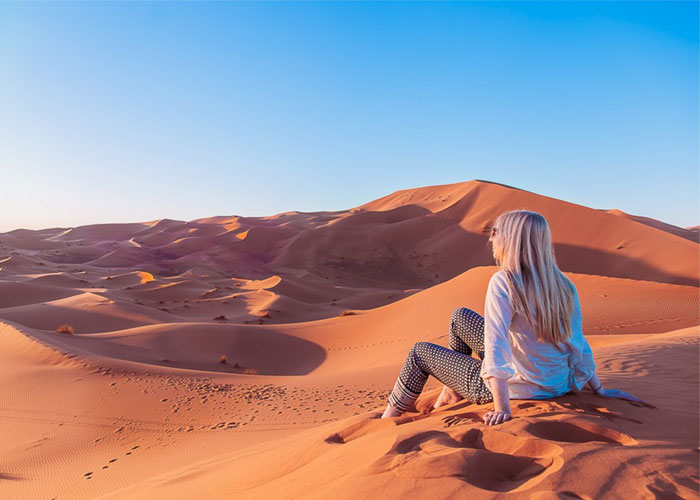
column 529, row 342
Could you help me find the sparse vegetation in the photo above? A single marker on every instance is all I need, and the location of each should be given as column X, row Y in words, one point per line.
column 250, row 371
column 222, row 359
column 220, row 318
column 347, row 312
column 65, row 328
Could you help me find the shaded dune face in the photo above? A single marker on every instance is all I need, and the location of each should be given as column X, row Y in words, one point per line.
column 262, row 351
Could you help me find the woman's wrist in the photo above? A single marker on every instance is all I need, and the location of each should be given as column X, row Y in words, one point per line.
column 501, row 408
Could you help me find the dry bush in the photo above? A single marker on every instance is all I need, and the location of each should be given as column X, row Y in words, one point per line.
column 220, row 318
column 250, row 371
column 222, row 359
column 347, row 313
column 65, row 328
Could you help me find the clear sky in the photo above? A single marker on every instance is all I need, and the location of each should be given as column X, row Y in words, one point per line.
column 115, row 112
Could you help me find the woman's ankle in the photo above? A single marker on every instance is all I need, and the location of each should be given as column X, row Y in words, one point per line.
column 391, row 412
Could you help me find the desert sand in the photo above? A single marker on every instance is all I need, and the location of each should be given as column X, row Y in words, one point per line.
column 249, row 357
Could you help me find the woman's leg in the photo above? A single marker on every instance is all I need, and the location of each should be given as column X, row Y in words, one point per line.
column 467, row 332
column 454, row 369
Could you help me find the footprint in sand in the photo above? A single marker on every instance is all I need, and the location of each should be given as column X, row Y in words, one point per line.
column 598, row 410
column 461, row 419
column 577, row 432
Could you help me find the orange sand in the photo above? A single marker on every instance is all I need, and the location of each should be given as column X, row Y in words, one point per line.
column 316, row 312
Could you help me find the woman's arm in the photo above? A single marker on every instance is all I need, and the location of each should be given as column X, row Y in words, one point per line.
column 497, row 366
column 595, row 384
column 597, row 387
column 501, row 401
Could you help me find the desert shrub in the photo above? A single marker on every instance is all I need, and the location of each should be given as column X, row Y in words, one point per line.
column 65, row 328
column 222, row 359
column 250, row 371
column 347, row 313
column 220, row 318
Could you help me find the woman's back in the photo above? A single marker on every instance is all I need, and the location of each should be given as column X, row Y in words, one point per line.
column 534, row 368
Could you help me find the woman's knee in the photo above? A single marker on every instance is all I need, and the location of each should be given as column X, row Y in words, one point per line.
column 420, row 348
column 460, row 315
column 421, row 354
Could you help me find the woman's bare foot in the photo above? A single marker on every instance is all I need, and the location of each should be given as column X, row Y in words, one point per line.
column 391, row 412
column 446, row 397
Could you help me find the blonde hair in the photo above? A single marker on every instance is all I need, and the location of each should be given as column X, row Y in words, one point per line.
column 522, row 246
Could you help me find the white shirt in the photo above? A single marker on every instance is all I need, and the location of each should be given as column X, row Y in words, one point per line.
column 534, row 369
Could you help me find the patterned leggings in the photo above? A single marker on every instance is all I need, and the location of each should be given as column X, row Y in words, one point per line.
column 454, row 367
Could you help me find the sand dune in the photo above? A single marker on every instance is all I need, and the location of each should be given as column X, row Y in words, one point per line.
column 688, row 233
column 247, row 357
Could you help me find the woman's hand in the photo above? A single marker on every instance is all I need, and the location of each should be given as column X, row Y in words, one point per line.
column 616, row 393
column 496, row 417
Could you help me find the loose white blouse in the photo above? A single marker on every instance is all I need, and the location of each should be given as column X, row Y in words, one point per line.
column 534, row 369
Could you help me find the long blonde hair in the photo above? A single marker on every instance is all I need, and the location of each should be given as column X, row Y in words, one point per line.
column 522, row 246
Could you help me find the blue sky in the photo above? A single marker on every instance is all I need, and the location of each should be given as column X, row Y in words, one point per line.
column 115, row 112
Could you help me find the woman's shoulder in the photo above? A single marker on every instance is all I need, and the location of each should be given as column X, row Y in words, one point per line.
column 498, row 284
column 499, row 277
